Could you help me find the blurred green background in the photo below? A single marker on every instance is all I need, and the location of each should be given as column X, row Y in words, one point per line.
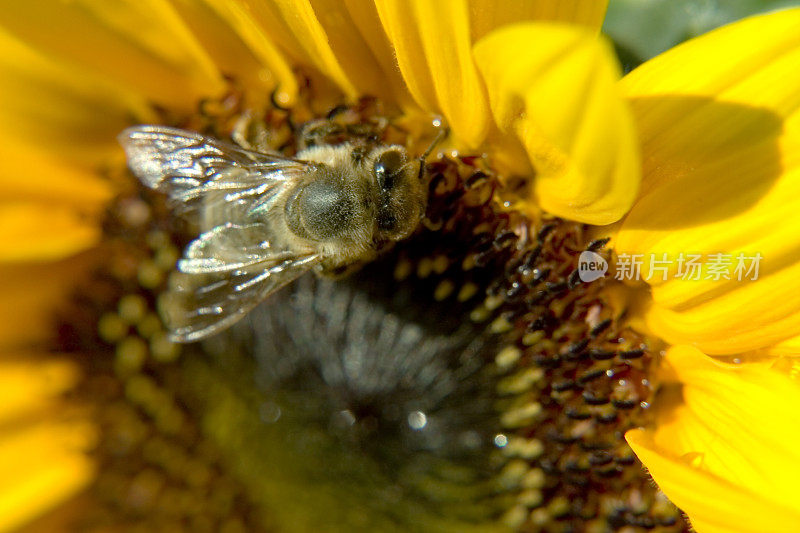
column 642, row 29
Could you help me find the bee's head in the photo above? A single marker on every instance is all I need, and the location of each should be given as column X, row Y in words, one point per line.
column 401, row 194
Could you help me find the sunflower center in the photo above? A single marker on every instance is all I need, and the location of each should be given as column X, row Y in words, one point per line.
column 467, row 378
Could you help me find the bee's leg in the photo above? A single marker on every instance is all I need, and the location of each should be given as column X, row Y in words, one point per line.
column 341, row 271
column 250, row 133
column 442, row 131
column 315, row 132
column 240, row 130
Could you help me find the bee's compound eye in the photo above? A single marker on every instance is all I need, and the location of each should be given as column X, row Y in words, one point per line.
column 388, row 168
column 325, row 208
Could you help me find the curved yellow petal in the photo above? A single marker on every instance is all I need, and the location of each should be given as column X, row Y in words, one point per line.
column 262, row 45
column 141, row 44
column 300, row 20
column 488, row 15
column 322, row 35
column 43, row 439
column 720, row 128
column 41, row 232
column 60, row 109
column 31, row 384
column 49, row 208
column 365, row 16
column 350, row 49
column 787, row 347
column 554, row 88
column 33, row 174
column 723, row 448
column 269, row 22
column 230, row 51
column 712, row 504
column 40, row 467
column 432, row 43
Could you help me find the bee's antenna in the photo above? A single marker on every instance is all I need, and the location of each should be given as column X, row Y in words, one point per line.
column 440, row 135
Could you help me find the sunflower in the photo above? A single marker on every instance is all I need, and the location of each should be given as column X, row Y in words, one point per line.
column 510, row 410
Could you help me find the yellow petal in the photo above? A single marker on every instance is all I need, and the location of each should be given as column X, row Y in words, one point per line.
column 33, row 174
column 433, row 56
column 723, row 448
column 720, row 129
column 345, row 43
column 488, row 15
column 49, row 208
column 32, row 293
column 267, row 19
column 64, row 110
column 41, row 232
column 43, row 439
column 365, row 17
column 554, row 87
column 141, row 44
column 232, row 52
column 31, row 385
column 319, row 34
column 247, row 22
column 41, row 466
column 788, row 347
column 432, row 43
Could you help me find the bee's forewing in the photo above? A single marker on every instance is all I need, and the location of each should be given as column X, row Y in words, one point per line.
column 188, row 166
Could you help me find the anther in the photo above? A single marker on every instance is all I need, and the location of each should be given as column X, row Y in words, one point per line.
column 591, row 399
column 601, row 355
column 544, row 232
column 631, row 354
column 601, row 327
column 597, row 244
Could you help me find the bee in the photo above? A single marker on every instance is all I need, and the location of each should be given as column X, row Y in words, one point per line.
column 264, row 218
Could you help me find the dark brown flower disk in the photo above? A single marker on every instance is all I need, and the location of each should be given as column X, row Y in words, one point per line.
column 467, row 380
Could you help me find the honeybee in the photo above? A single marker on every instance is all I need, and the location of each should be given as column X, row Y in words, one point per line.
column 265, row 218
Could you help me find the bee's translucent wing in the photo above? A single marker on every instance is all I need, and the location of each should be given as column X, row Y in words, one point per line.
column 239, row 259
column 231, row 246
column 216, row 285
column 189, row 167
